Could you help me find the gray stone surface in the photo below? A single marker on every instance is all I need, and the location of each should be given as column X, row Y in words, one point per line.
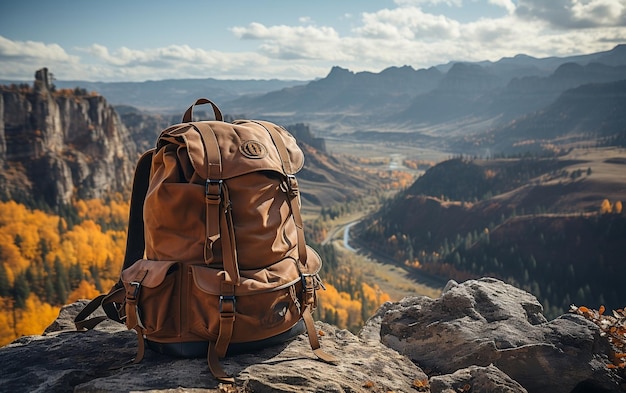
column 479, row 336
column 483, row 322
column 93, row 361
column 488, row 379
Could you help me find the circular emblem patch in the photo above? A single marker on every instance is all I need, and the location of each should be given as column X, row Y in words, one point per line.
column 253, row 149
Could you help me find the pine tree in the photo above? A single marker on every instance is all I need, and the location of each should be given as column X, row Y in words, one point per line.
column 5, row 286
column 21, row 291
column 61, row 282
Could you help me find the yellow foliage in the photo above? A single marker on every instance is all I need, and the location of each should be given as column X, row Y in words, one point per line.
column 95, row 209
column 28, row 236
column 347, row 309
column 605, row 207
column 85, row 290
column 7, row 333
column 36, row 316
column 617, row 207
column 33, row 319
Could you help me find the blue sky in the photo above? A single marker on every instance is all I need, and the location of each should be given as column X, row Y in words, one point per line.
column 137, row 40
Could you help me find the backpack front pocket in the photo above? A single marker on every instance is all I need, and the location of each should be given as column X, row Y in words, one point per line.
column 153, row 289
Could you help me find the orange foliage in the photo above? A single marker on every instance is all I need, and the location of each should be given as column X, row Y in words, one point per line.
column 85, row 290
column 33, row 319
column 116, row 211
column 606, row 207
column 33, row 237
column 348, row 307
column 613, row 327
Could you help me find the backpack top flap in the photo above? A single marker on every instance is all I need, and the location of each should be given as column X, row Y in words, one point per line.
column 245, row 146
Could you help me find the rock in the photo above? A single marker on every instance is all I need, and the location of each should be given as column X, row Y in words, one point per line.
column 483, row 322
column 61, row 144
column 479, row 336
column 480, row 379
column 64, row 360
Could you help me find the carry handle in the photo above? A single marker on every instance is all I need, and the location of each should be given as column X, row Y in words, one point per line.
column 187, row 117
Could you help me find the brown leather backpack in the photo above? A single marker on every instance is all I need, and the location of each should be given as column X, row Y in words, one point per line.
column 216, row 256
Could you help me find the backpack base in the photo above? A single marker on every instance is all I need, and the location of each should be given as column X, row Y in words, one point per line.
column 198, row 349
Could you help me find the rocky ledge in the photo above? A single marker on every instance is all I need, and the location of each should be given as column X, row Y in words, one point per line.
column 479, row 336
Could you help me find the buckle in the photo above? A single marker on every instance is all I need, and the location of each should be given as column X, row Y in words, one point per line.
column 292, row 185
column 210, row 183
column 230, row 298
column 137, row 286
column 315, row 280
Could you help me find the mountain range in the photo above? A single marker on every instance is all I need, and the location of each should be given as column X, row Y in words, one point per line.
column 397, row 98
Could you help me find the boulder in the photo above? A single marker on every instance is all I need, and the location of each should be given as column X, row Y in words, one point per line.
column 479, row 379
column 487, row 322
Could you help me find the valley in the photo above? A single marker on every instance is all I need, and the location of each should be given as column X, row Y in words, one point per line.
column 396, row 281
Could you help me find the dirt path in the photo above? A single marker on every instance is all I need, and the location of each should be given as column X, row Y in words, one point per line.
column 391, row 279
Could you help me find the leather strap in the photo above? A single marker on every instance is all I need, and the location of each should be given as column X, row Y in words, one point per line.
column 314, row 340
column 227, row 318
column 292, row 184
column 229, row 246
column 219, row 224
column 81, row 322
column 188, row 116
column 135, row 240
column 133, row 319
column 213, row 192
column 215, row 366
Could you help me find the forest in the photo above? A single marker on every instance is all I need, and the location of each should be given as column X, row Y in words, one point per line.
column 466, row 219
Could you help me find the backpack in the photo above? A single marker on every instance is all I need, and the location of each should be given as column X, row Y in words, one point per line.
column 216, row 259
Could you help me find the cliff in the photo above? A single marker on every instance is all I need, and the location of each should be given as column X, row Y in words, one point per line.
column 479, row 336
column 55, row 145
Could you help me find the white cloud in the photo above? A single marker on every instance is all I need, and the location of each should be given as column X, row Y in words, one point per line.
column 407, row 23
column 508, row 5
column 19, row 59
column 30, row 50
column 404, row 35
column 293, row 42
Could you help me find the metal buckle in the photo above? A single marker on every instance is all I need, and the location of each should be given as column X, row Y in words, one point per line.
column 316, row 281
column 228, row 298
column 137, row 285
column 210, row 182
column 292, row 185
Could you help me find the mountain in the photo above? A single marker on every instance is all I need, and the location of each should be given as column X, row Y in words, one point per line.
column 172, row 95
column 458, row 95
column 443, row 96
column 527, row 94
column 57, row 145
column 455, row 98
column 589, row 114
column 343, row 92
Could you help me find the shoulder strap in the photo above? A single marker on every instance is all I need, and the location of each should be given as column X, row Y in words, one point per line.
column 292, row 185
column 135, row 239
column 135, row 247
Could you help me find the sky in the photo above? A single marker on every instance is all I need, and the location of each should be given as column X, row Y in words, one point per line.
column 139, row 40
